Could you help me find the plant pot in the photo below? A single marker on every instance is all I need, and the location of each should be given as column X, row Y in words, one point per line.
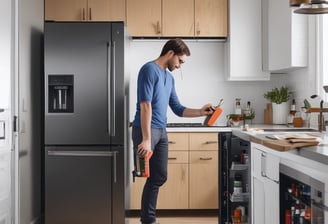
column 279, row 113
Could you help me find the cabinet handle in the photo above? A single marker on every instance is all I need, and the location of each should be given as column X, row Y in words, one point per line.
column 90, row 18
column 172, row 158
column 263, row 168
column 172, row 142
column 83, row 14
column 206, row 158
column 211, row 142
column 263, row 164
column 158, row 28
column 197, row 30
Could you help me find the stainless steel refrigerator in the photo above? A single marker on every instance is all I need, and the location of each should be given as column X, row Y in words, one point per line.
column 84, row 122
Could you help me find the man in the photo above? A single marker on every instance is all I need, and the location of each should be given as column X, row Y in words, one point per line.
column 155, row 92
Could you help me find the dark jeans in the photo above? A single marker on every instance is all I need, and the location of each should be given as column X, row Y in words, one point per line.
column 158, row 170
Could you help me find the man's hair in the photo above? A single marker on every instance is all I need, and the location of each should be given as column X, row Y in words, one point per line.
column 177, row 46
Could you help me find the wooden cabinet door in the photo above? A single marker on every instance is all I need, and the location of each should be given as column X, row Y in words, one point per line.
column 211, row 18
column 85, row 10
column 178, row 18
column 144, row 17
column 204, row 181
column 66, row 10
column 174, row 193
column 136, row 192
column 204, row 141
column 106, row 10
column 178, row 141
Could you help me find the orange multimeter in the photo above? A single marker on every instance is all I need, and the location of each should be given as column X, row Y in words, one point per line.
column 211, row 119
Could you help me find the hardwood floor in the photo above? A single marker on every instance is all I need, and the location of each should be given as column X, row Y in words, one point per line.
column 178, row 220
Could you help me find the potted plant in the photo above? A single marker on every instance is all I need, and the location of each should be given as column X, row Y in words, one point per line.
column 278, row 97
column 234, row 119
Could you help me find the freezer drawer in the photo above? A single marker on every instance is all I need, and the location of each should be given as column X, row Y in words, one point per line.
column 78, row 185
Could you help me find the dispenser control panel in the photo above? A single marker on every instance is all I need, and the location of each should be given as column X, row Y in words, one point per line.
column 60, row 93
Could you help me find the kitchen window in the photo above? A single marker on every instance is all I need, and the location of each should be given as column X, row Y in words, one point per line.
column 323, row 55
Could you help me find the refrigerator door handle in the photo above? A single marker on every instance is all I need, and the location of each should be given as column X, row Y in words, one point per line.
column 111, row 87
column 114, row 166
column 112, row 154
column 83, row 153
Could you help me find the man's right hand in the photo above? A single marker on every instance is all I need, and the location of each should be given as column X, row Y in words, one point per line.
column 143, row 147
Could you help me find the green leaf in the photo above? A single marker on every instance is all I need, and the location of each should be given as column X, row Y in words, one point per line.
column 278, row 96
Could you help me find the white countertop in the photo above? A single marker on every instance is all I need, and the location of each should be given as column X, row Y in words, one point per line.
column 222, row 128
column 199, row 129
column 318, row 153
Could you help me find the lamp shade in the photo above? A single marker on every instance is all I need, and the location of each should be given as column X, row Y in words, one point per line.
column 314, row 7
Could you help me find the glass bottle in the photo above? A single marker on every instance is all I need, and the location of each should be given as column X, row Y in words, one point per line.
column 238, row 107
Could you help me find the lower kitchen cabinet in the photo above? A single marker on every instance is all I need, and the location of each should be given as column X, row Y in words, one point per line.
column 173, row 194
column 192, row 174
column 135, row 193
column 203, row 180
column 265, row 187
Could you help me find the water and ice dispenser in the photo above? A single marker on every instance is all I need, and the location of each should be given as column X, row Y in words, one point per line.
column 60, row 94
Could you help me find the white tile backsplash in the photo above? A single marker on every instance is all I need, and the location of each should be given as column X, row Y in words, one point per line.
column 201, row 79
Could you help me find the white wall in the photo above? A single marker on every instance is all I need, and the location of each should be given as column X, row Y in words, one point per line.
column 202, row 80
column 29, row 99
column 304, row 82
column 6, row 71
column 5, row 52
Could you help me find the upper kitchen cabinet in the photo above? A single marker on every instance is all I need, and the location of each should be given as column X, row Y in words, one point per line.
column 178, row 18
column 142, row 22
column 211, row 18
column 244, row 45
column 85, row 10
column 171, row 18
column 286, row 36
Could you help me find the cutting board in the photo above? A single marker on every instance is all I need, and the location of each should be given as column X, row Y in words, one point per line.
column 282, row 145
column 268, row 114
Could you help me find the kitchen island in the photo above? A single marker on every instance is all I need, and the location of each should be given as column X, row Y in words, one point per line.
column 267, row 163
column 273, row 171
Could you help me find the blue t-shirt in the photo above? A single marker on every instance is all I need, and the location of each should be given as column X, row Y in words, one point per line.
column 156, row 86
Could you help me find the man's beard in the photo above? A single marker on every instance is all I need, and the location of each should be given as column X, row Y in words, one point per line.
column 170, row 67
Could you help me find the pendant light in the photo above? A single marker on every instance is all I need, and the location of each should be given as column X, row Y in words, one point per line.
column 314, row 7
